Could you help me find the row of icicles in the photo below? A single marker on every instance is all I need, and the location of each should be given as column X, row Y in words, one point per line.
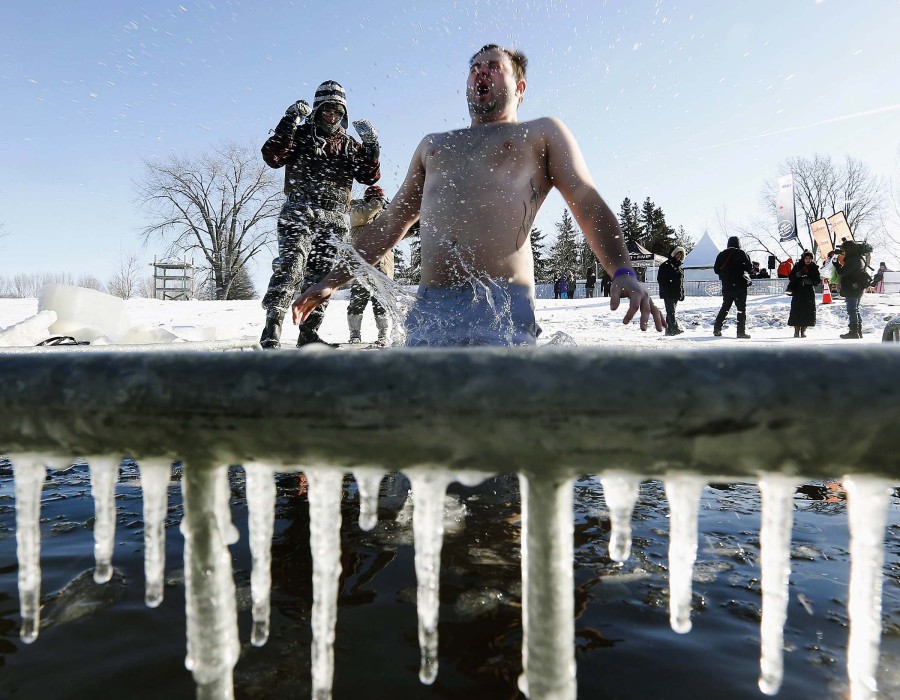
column 213, row 647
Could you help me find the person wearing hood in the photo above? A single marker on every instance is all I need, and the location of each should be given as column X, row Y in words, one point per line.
column 321, row 161
column 733, row 268
column 671, row 287
column 854, row 281
column 804, row 278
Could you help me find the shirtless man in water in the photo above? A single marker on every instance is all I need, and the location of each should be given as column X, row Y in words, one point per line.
column 477, row 192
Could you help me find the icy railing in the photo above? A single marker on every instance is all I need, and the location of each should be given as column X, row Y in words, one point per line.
column 686, row 418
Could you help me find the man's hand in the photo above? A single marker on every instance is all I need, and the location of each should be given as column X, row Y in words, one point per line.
column 299, row 110
column 639, row 300
column 306, row 303
column 366, row 131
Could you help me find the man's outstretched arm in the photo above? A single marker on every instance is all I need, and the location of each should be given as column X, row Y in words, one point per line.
column 570, row 175
column 383, row 234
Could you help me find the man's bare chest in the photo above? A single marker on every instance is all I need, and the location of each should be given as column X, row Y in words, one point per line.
column 482, row 154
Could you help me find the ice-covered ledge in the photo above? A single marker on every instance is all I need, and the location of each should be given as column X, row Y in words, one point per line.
column 730, row 413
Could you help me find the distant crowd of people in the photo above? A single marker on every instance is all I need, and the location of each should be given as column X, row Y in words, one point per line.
column 737, row 272
column 566, row 285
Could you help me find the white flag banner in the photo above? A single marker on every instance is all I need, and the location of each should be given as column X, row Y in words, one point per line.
column 784, row 209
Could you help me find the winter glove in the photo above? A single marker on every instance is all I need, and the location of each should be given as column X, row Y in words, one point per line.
column 366, row 131
column 299, row 110
column 373, row 192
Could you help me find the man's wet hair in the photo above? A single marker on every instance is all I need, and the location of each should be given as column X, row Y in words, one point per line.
column 516, row 57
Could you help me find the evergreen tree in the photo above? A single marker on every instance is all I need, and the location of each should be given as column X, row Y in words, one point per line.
column 564, row 254
column 684, row 240
column 414, row 271
column 542, row 271
column 657, row 236
column 587, row 260
column 629, row 221
column 241, row 287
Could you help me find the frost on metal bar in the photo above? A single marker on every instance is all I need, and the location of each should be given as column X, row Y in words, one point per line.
column 104, row 475
column 775, row 554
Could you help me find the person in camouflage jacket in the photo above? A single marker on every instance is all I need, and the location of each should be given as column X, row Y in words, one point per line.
column 321, row 161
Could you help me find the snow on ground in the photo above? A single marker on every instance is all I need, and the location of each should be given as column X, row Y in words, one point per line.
column 588, row 322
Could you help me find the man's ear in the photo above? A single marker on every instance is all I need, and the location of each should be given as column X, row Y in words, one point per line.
column 520, row 90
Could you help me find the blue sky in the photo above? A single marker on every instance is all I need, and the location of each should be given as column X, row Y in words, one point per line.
column 691, row 103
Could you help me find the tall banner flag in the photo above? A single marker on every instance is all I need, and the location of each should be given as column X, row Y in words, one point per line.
column 784, row 209
column 819, row 230
column 840, row 227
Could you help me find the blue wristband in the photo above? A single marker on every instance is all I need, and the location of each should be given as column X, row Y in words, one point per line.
column 624, row 271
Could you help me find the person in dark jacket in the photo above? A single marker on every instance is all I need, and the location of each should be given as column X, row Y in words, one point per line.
column 733, row 268
column 671, row 287
column 557, row 286
column 591, row 283
column 804, row 278
column 854, row 280
column 605, row 284
column 321, row 162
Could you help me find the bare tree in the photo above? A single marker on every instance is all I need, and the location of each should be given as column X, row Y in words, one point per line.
column 822, row 188
column 126, row 282
column 217, row 204
column 90, row 282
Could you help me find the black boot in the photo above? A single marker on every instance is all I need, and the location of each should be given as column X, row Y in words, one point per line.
column 742, row 325
column 852, row 334
column 802, row 331
column 796, row 331
column 271, row 335
column 309, row 336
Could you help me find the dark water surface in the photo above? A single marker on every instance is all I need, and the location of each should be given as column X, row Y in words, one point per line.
column 102, row 642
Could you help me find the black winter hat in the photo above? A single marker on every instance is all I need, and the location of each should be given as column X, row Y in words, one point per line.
column 733, row 242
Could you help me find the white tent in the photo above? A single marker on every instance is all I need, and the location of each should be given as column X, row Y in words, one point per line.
column 698, row 265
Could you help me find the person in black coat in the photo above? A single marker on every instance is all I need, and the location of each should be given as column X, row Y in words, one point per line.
column 733, row 268
column 804, row 278
column 854, row 281
column 590, row 283
column 671, row 287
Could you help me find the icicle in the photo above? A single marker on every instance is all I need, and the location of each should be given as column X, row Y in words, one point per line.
column 260, row 480
column 155, row 475
column 428, row 489
column 775, row 553
column 104, row 475
column 548, row 597
column 325, row 543
column 867, row 510
column 29, row 474
column 212, row 635
column 621, row 493
column 368, row 481
column 683, row 494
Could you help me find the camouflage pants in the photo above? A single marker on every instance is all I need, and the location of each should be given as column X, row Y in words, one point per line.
column 359, row 297
column 307, row 245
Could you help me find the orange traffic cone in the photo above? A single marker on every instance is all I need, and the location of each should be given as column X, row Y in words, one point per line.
column 826, row 293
